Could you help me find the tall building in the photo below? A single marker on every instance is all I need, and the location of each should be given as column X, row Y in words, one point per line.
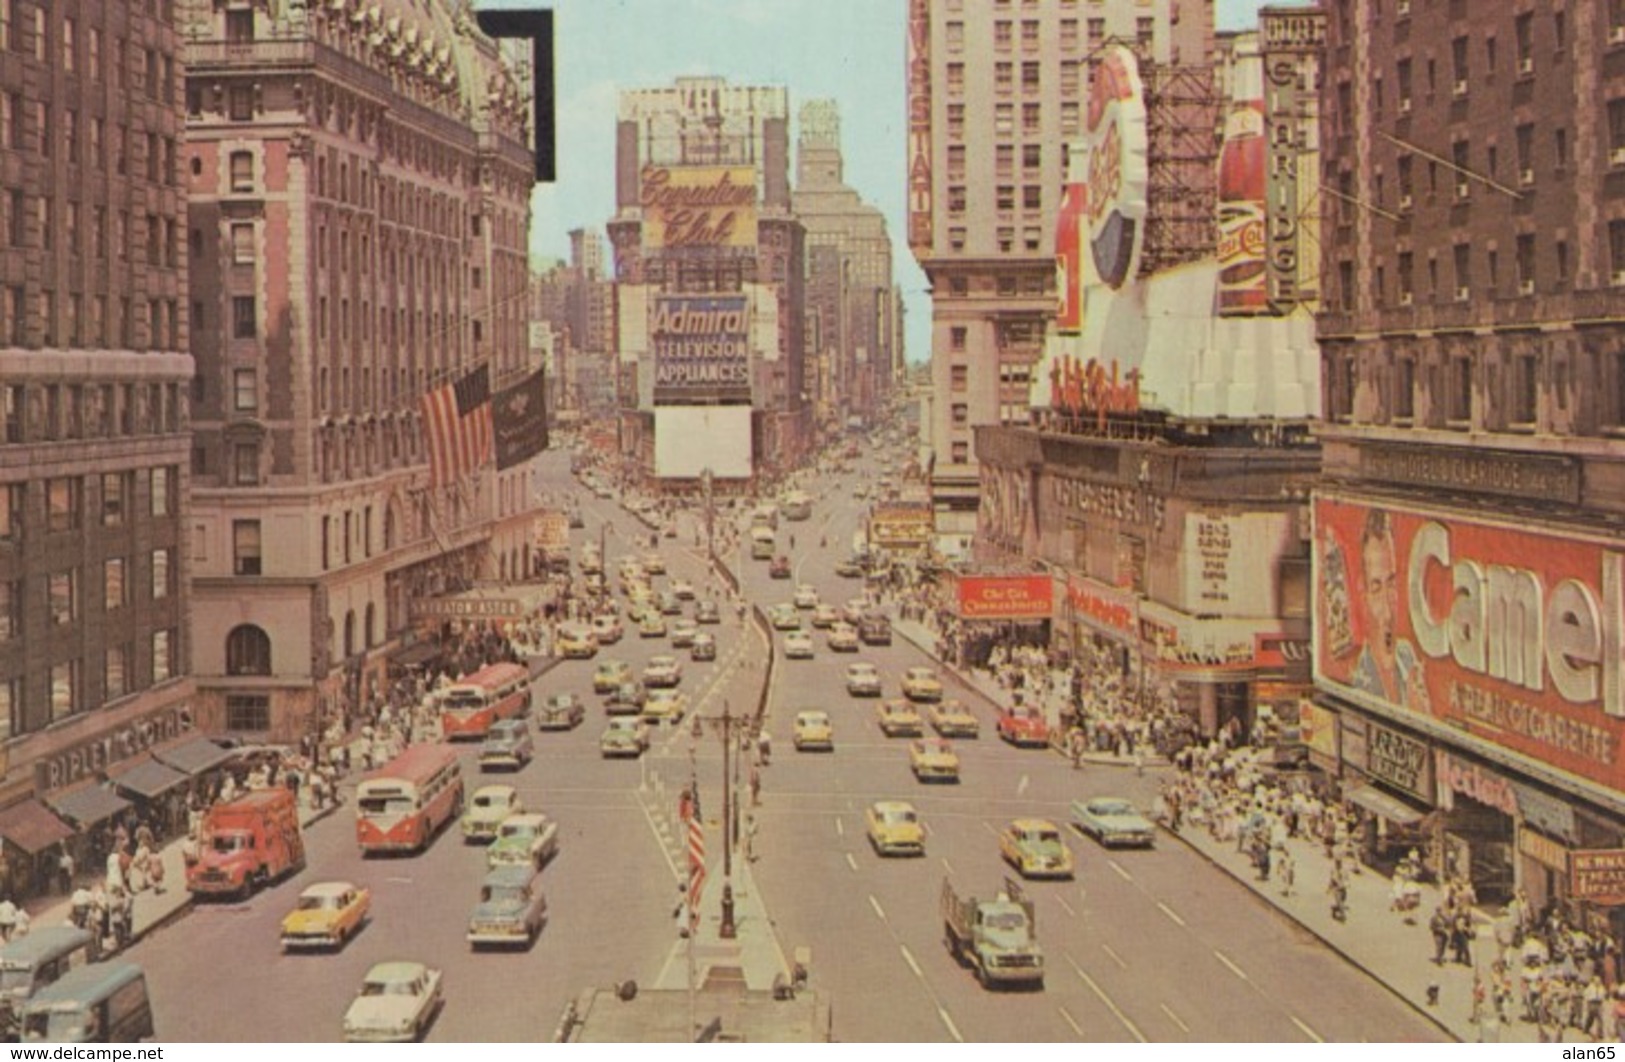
column 94, row 603
column 996, row 88
column 1468, row 631
column 854, row 346
column 709, row 270
column 359, row 182
column 577, row 301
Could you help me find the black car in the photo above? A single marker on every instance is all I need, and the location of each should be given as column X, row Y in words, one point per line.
column 576, row 522
column 780, row 568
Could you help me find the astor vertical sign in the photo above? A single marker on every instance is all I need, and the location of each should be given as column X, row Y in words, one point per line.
column 919, row 125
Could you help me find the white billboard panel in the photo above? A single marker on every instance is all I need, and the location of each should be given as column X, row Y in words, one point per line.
column 690, row 439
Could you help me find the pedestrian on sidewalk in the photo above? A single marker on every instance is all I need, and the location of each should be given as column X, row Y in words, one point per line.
column 79, row 908
column 1286, row 871
column 1439, row 927
column 155, row 872
column 1339, row 889
column 64, row 872
column 1461, row 937
column 750, row 837
column 8, row 918
column 755, row 788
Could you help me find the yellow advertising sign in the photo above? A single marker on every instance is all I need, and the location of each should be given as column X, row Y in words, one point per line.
column 698, row 206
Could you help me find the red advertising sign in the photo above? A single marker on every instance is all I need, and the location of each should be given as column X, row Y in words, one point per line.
column 1103, row 606
column 1114, row 144
column 1515, row 635
column 1598, row 875
column 1069, row 258
column 1241, row 204
column 919, row 124
column 1006, row 597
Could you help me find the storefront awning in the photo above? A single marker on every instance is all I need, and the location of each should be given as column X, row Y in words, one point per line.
column 89, row 805
column 416, row 655
column 1381, row 804
column 31, row 826
column 149, row 779
column 194, row 756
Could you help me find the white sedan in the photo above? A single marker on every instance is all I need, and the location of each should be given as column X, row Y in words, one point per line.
column 862, row 680
column 798, row 645
column 806, row 596
column 395, row 1005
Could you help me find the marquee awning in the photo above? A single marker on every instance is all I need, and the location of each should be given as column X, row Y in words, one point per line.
column 193, row 756
column 1381, row 804
column 149, row 779
column 31, row 826
column 87, row 805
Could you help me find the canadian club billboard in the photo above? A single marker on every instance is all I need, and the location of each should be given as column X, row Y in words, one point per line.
column 1514, row 635
column 698, row 206
column 701, row 349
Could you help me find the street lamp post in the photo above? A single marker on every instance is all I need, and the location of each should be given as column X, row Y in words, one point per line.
column 728, row 726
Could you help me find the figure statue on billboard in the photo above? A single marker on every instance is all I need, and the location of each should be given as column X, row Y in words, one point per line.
column 1388, row 666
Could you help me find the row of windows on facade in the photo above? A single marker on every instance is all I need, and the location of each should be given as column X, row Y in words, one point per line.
column 123, row 673
column 1004, row 120
column 959, row 286
column 1450, row 384
column 61, row 500
column 140, row 324
column 1519, row 278
column 60, row 590
column 133, row 67
column 158, row 232
column 1004, row 31
column 50, row 412
column 24, row 127
column 1529, row 39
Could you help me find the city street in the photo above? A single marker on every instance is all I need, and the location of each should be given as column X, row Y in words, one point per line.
column 1155, row 945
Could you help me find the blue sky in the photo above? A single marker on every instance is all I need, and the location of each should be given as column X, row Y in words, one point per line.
column 847, row 50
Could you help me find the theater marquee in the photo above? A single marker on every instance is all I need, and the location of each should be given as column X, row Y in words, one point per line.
column 1514, row 635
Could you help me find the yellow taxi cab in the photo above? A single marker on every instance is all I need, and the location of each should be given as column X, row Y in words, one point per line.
column 898, row 718
column 922, row 684
column 894, row 828
column 1035, row 848
column 326, row 915
column 933, row 760
column 813, row 730
column 952, row 719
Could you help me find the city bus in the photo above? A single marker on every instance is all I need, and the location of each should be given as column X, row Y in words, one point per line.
column 798, row 505
column 469, row 707
column 401, row 806
column 761, row 543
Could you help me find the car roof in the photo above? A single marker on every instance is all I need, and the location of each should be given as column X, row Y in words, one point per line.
column 328, row 888
column 1027, row 825
column 892, row 805
column 511, row 876
column 495, row 790
column 812, row 713
column 394, row 972
column 529, row 818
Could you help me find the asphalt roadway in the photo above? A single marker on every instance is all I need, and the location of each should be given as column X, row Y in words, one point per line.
column 1153, row 945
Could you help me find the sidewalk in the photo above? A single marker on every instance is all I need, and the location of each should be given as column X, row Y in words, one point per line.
column 1396, row 954
column 983, row 683
column 154, row 910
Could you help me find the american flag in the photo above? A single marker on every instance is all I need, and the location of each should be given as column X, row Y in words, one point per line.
column 458, row 418
column 696, row 870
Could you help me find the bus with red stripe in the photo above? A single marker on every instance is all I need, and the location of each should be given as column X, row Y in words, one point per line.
column 469, row 706
column 403, row 804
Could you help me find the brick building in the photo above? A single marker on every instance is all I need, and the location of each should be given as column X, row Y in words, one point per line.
column 1467, row 537
column 94, row 639
column 359, row 184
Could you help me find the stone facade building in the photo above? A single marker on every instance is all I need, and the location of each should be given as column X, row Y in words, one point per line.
column 359, row 182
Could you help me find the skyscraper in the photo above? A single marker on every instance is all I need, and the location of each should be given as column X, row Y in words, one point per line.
column 996, row 88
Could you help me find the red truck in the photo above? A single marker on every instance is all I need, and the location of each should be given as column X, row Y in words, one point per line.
column 247, row 843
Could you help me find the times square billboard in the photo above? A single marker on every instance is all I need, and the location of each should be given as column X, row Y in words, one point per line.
column 1512, row 634
column 701, row 346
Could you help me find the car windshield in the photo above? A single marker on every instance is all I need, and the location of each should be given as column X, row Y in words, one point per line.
column 901, row 817
column 385, row 805
column 229, row 842
column 501, row 894
column 1006, row 920
column 1111, row 807
column 1044, row 840
column 318, row 903
column 518, row 831
column 388, row 988
column 490, row 801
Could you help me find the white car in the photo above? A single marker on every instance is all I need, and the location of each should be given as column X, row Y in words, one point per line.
column 862, row 680
column 798, row 645
column 843, row 638
column 682, row 633
column 825, row 617
column 486, row 810
column 662, row 672
column 806, row 596
column 683, row 589
column 395, row 1005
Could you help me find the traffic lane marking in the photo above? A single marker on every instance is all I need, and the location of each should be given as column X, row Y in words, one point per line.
column 851, row 862
column 1312, row 1034
column 1175, row 1018
column 880, row 911
column 1076, row 1028
column 1238, row 971
column 908, row 957
column 1100, row 993
column 1125, row 875
column 1171, row 913
column 1118, row 959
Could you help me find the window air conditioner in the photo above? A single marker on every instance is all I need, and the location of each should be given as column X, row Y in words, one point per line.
column 1526, row 65
column 1526, row 176
column 1404, row 202
column 1404, row 298
column 1617, row 156
column 1460, row 89
column 1526, row 287
column 1619, row 278
column 1462, row 189
column 1462, row 294
column 1404, row 105
column 1616, row 34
